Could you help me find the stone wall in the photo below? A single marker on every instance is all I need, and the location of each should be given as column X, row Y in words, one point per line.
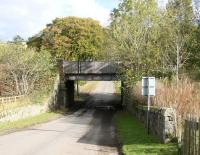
column 22, row 112
column 162, row 122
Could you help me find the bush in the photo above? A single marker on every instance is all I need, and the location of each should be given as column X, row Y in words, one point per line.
column 25, row 70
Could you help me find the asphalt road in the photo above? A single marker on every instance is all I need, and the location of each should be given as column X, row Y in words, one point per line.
column 85, row 132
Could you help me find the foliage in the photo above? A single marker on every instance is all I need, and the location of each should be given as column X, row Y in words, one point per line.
column 71, row 38
column 24, row 69
column 117, row 87
column 153, row 42
column 134, row 29
column 193, row 63
column 109, row 50
column 88, row 87
column 176, row 29
column 135, row 139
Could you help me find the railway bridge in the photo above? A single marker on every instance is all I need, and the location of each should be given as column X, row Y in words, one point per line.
column 86, row 71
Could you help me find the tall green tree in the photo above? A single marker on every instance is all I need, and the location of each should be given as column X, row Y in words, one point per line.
column 176, row 30
column 71, row 38
column 134, row 30
column 193, row 63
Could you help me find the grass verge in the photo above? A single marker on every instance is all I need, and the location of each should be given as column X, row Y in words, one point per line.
column 117, row 87
column 8, row 127
column 88, row 87
column 135, row 140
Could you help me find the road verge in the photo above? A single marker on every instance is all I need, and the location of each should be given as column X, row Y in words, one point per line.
column 12, row 126
column 135, row 140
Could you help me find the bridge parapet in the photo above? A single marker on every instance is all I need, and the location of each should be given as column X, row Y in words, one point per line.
column 94, row 67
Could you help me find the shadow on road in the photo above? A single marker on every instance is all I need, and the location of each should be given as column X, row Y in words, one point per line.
column 102, row 131
column 98, row 100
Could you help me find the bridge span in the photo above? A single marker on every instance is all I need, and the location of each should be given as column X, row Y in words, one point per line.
column 85, row 71
column 91, row 70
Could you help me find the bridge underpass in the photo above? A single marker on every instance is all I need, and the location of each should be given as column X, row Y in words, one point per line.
column 86, row 71
column 85, row 131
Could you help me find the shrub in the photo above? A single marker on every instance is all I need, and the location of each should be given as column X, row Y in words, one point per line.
column 25, row 70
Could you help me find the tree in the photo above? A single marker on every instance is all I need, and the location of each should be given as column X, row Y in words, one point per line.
column 193, row 63
column 134, row 30
column 176, row 30
column 70, row 38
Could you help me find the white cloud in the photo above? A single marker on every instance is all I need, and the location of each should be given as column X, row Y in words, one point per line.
column 28, row 17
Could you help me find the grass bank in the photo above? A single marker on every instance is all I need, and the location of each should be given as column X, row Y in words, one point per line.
column 117, row 87
column 8, row 127
column 136, row 141
column 88, row 87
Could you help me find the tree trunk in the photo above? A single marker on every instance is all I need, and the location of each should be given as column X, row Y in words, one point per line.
column 177, row 63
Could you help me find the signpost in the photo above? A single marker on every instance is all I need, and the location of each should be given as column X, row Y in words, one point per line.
column 148, row 89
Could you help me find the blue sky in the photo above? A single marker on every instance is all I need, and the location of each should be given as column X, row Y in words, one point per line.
column 28, row 17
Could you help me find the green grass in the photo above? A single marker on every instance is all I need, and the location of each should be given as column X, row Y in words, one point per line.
column 117, row 87
column 136, row 141
column 81, row 83
column 7, row 127
column 88, row 87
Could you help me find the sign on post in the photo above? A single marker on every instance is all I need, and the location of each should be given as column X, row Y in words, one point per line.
column 148, row 86
column 148, row 89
